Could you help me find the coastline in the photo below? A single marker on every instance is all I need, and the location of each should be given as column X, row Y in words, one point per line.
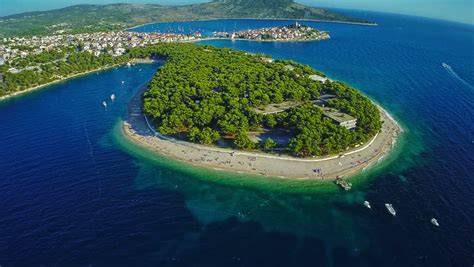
column 37, row 87
column 276, row 19
column 254, row 40
column 34, row 88
column 138, row 130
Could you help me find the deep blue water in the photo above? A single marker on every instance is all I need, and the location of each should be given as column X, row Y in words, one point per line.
column 73, row 192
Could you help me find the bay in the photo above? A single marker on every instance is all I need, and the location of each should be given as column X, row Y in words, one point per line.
column 75, row 192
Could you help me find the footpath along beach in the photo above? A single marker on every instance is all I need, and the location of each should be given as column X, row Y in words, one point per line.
column 138, row 129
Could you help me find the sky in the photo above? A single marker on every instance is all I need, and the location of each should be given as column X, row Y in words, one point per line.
column 454, row 10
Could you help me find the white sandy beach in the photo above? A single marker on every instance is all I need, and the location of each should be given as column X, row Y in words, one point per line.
column 137, row 129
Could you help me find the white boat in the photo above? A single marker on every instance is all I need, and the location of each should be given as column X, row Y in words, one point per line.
column 112, row 97
column 123, row 82
column 367, row 204
column 390, row 209
column 104, row 104
column 435, row 222
column 128, row 64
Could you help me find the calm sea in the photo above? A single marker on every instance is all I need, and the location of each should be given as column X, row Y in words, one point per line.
column 74, row 192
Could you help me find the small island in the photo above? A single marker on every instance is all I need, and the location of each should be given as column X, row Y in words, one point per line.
column 292, row 32
column 231, row 110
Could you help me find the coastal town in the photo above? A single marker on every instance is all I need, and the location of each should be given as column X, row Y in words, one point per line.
column 117, row 43
column 113, row 43
column 292, row 32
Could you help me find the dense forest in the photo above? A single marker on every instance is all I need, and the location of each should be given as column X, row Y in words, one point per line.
column 209, row 94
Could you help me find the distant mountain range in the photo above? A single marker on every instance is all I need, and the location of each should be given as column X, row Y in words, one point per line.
column 91, row 18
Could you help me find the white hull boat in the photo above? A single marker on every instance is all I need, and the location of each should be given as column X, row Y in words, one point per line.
column 367, row 204
column 390, row 209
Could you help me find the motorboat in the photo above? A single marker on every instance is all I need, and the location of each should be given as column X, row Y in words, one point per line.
column 112, row 97
column 390, row 209
column 435, row 222
column 104, row 104
column 367, row 204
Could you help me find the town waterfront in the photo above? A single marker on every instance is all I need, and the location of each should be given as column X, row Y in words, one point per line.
column 76, row 192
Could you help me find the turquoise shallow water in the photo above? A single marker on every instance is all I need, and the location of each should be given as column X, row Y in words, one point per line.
column 74, row 192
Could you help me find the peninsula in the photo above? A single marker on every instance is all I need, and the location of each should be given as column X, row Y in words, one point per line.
column 117, row 17
column 219, row 108
column 292, row 32
column 227, row 109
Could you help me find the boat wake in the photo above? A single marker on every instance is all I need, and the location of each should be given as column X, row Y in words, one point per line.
column 450, row 70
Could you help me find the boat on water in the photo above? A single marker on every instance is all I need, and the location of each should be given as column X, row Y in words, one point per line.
column 112, row 97
column 343, row 183
column 128, row 64
column 390, row 209
column 123, row 82
column 104, row 104
column 435, row 222
column 367, row 204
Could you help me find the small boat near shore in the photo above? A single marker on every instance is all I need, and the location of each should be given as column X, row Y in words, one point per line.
column 104, row 104
column 390, row 209
column 367, row 204
column 112, row 97
column 343, row 183
column 434, row 222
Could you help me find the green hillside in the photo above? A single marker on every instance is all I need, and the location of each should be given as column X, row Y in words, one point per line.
column 91, row 18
